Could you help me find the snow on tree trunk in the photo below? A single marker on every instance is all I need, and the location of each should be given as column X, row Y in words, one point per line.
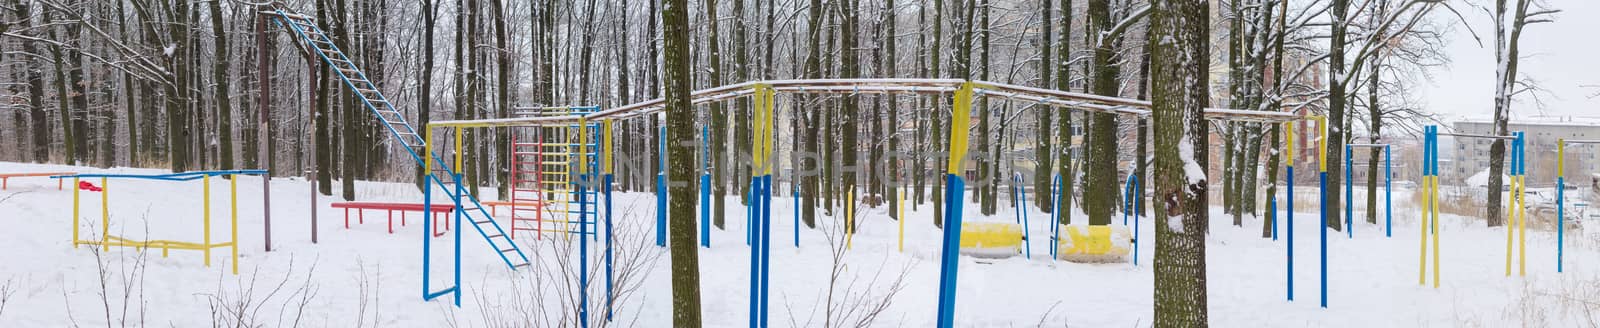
column 1179, row 72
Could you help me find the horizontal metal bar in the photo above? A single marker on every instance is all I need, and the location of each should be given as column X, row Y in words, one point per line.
column 1368, row 145
column 1483, row 136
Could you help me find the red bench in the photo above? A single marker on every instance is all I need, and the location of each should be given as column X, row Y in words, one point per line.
column 5, row 178
column 436, row 209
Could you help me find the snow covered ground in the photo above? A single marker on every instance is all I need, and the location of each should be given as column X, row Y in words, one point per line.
column 365, row 276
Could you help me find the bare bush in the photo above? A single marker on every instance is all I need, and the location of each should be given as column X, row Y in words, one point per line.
column 240, row 305
column 852, row 299
column 7, row 290
column 548, row 295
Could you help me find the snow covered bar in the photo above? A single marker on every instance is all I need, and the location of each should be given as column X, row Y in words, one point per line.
column 962, row 94
column 1053, row 98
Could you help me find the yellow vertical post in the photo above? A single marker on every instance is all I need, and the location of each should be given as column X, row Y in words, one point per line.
column 1522, row 223
column 605, row 164
column 1422, row 261
column 849, row 218
column 457, row 169
column 206, row 206
column 105, row 216
column 75, row 189
column 1288, row 138
column 427, row 151
column 900, row 204
column 1433, row 202
column 233, row 204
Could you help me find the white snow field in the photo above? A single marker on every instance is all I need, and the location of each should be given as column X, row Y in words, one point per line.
column 366, row 277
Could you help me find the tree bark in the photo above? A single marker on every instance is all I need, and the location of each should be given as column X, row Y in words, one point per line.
column 1180, row 71
column 680, row 126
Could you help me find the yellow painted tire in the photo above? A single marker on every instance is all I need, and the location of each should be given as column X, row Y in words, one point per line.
column 1094, row 244
column 991, row 239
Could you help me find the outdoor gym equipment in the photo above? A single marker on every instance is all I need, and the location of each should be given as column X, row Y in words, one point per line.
column 1322, row 180
column 1349, row 190
column 962, row 91
column 204, row 246
column 318, row 44
column 5, row 178
column 1131, row 203
column 1561, row 187
column 1430, row 207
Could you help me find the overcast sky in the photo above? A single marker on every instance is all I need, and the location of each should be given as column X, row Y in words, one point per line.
column 1562, row 56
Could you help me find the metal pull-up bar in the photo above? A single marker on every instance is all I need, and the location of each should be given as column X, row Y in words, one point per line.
column 1561, row 190
column 1349, row 189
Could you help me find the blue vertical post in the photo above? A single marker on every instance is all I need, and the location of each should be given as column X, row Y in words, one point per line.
column 1055, row 218
column 794, row 194
column 950, row 253
column 766, row 245
column 583, row 249
column 459, row 211
column 750, row 214
column 609, row 300
column 1023, row 210
column 427, row 237
column 755, row 261
column 661, row 190
column 1561, row 219
column 705, row 188
column 1289, row 220
column 1388, row 193
column 1349, row 193
column 1322, row 179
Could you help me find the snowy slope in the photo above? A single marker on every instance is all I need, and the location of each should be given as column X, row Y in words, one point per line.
column 366, row 277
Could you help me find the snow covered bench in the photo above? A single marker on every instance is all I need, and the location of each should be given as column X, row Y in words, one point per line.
column 435, row 209
column 5, row 178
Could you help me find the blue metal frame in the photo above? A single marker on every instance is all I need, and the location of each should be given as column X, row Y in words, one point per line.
column 1289, row 220
column 1131, row 203
column 1022, row 213
column 705, row 188
column 661, row 190
column 1055, row 218
column 951, row 250
column 182, row 176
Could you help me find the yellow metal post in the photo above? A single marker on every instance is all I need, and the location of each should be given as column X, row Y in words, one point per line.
column 427, row 151
column 457, row 168
column 1522, row 224
column 960, row 122
column 849, row 218
column 233, row 203
column 75, row 221
column 605, row 164
column 1288, row 138
column 105, row 216
column 901, row 206
column 206, row 204
column 1434, row 225
column 1422, row 264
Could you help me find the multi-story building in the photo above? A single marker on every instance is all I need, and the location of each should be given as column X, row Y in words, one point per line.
column 1470, row 156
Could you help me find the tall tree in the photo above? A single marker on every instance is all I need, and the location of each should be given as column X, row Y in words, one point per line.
column 219, row 72
column 1042, row 179
column 851, row 104
column 430, row 15
column 1507, row 43
column 34, row 79
column 1336, row 112
column 719, row 119
column 1180, row 73
column 1100, row 188
column 813, row 69
column 1063, row 79
column 680, row 120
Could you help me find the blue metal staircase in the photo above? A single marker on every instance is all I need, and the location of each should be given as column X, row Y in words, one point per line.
column 316, row 41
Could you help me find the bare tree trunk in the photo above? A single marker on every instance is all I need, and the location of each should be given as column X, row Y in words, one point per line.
column 680, row 120
column 1180, row 71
